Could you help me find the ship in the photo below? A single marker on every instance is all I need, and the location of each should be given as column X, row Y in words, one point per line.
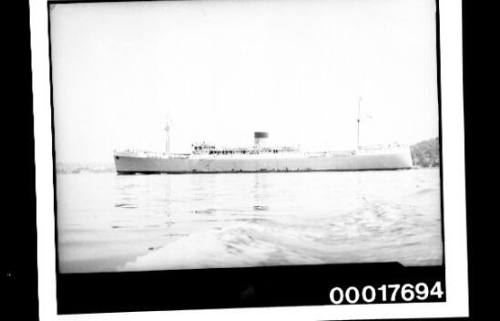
column 261, row 157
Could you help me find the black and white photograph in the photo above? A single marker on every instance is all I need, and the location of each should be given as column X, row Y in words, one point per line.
column 302, row 139
column 248, row 135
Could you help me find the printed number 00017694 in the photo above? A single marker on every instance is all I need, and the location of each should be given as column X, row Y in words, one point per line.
column 386, row 293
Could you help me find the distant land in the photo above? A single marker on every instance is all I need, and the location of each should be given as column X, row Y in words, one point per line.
column 424, row 154
column 75, row 168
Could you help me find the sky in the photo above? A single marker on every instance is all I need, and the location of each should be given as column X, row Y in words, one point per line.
column 218, row 70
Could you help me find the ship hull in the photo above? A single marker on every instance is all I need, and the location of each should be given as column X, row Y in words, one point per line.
column 388, row 160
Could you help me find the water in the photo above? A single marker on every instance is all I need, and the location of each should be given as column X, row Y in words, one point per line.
column 108, row 222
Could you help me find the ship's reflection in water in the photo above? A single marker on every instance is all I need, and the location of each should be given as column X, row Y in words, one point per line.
column 260, row 191
column 113, row 222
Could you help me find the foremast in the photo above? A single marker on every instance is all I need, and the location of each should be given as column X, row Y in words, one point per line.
column 167, row 137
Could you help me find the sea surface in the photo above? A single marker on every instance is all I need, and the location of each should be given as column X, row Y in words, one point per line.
column 109, row 222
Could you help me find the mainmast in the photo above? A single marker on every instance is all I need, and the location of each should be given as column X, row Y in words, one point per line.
column 358, row 120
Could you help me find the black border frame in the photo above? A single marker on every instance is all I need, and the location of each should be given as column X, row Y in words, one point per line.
column 18, row 277
column 243, row 287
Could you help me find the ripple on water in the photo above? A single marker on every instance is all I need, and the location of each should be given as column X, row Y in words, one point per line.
column 198, row 221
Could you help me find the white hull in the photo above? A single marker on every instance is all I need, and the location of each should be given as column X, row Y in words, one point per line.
column 389, row 159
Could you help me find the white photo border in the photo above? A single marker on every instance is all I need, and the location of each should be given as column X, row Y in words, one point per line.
column 453, row 173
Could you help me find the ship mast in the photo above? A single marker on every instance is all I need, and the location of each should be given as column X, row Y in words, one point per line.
column 167, row 137
column 358, row 120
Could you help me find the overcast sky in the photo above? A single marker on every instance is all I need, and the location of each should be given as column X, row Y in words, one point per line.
column 222, row 69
